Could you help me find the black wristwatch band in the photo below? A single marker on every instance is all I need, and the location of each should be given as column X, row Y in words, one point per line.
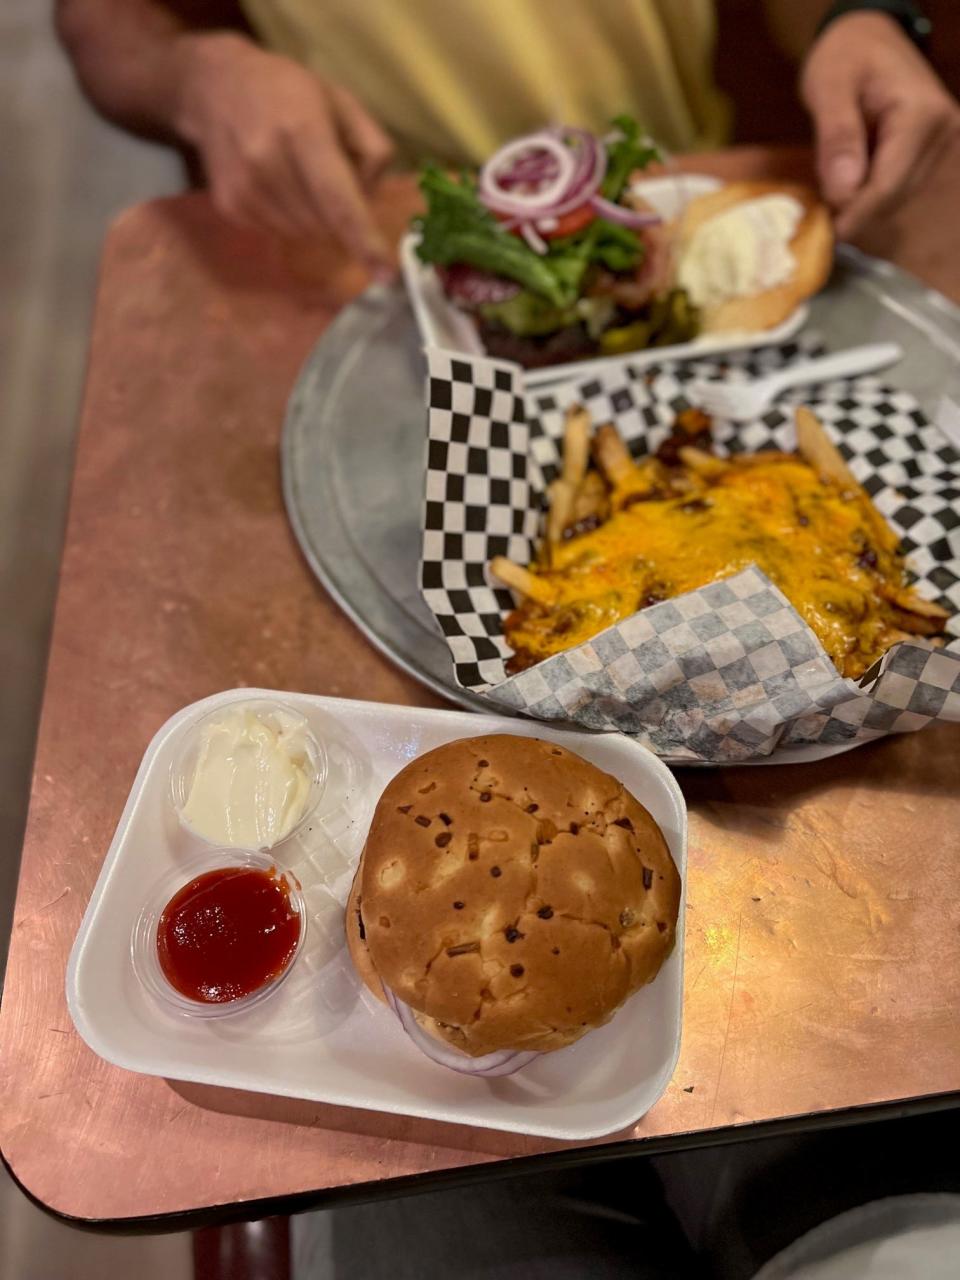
column 911, row 17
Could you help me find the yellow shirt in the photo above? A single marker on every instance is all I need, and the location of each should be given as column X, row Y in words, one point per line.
column 451, row 80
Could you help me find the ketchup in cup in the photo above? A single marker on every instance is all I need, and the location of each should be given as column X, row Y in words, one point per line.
column 227, row 934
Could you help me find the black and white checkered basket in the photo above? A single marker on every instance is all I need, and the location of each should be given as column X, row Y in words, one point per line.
column 727, row 673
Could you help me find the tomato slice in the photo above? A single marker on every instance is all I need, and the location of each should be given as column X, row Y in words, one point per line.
column 567, row 225
column 570, row 223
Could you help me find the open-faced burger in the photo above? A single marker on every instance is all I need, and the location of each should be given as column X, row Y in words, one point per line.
column 555, row 257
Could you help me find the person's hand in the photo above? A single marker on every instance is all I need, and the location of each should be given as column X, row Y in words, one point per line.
column 881, row 116
column 282, row 150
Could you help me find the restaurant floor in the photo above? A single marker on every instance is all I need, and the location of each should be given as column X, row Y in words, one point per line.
column 64, row 176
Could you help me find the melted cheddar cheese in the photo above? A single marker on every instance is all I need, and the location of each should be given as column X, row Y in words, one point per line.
column 672, row 529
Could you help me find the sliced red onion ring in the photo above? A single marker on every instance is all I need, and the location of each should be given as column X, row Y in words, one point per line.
column 566, row 164
column 591, row 166
column 625, row 217
column 526, row 203
column 535, row 168
column 504, row 1063
column 533, row 238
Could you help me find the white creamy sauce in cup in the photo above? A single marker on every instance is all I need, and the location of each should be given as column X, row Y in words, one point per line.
column 252, row 779
column 742, row 251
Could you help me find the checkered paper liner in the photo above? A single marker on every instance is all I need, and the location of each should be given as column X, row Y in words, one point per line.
column 727, row 673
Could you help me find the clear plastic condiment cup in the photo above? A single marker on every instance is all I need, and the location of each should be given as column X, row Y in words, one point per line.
column 268, row 710
column 144, row 952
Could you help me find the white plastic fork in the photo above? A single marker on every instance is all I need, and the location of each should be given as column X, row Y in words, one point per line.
column 739, row 401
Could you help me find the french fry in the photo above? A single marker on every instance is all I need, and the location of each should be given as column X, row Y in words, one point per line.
column 521, row 580
column 591, row 498
column 560, row 496
column 611, row 455
column 816, row 447
column 762, row 459
column 916, row 624
column 576, row 445
column 704, row 464
column 908, row 600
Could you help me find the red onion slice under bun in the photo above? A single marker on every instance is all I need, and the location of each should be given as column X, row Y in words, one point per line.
column 503, row 1063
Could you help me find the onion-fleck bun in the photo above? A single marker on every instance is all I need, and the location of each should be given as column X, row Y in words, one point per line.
column 512, row 894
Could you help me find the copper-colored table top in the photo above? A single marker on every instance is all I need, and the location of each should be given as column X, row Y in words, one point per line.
column 823, row 952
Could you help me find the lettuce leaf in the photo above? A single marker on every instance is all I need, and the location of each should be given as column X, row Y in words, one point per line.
column 627, row 151
column 615, row 247
column 458, row 228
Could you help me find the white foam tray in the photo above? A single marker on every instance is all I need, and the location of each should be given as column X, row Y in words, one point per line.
column 322, row 1036
column 444, row 325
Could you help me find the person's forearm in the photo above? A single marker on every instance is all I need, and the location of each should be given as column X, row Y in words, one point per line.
column 132, row 58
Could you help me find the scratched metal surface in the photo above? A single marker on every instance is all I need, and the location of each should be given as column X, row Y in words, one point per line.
column 823, row 953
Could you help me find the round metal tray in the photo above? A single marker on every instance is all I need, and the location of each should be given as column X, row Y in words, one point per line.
column 353, row 447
